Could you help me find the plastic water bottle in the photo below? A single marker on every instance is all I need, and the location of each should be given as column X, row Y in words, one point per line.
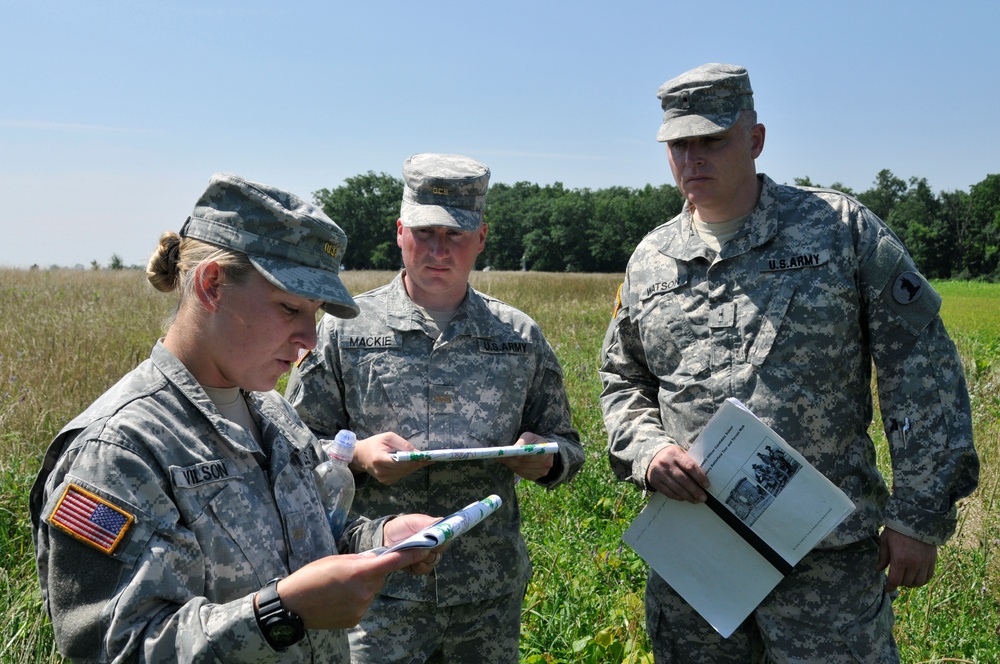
column 335, row 480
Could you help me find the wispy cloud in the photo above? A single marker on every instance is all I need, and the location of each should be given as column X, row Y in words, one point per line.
column 547, row 155
column 69, row 126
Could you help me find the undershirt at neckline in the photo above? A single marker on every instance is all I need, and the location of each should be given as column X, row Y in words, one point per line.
column 438, row 319
column 232, row 406
column 717, row 233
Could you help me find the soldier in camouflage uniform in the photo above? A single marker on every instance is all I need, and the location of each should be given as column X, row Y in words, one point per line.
column 784, row 297
column 431, row 363
column 162, row 513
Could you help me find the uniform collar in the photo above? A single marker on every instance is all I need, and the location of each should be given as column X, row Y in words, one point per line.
column 686, row 245
column 472, row 317
column 177, row 374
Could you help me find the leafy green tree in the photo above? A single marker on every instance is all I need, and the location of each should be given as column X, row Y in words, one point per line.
column 887, row 191
column 386, row 256
column 116, row 263
column 511, row 211
column 572, row 216
column 551, row 228
column 366, row 207
column 654, row 206
column 916, row 217
column 541, row 248
column 982, row 256
column 540, row 251
column 954, row 215
column 614, row 210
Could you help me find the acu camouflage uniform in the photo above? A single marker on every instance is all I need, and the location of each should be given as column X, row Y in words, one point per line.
column 211, row 525
column 488, row 378
column 789, row 318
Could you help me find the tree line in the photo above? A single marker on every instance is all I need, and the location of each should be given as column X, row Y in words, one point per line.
column 951, row 235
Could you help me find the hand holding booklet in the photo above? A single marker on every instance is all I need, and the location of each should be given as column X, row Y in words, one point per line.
column 447, row 528
column 767, row 508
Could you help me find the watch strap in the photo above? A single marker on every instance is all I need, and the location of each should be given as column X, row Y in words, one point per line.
column 268, row 597
column 280, row 627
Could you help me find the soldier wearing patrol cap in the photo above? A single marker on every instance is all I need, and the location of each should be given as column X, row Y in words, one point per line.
column 431, row 363
column 784, row 297
column 176, row 519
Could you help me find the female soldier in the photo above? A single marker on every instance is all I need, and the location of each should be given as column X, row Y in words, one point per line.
column 177, row 519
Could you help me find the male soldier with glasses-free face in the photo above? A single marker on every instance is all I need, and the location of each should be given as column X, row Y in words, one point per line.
column 784, row 297
column 432, row 363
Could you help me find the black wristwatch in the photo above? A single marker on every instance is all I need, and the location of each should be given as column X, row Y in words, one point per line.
column 281, row 627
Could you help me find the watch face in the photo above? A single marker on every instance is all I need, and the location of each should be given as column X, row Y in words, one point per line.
column 283, row 634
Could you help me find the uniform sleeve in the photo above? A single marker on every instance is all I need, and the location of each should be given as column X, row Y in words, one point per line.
column 922, row 391
column 629, row 399
column 363, row 534
column 316, row 386
column 547, row 413
column 141, row 599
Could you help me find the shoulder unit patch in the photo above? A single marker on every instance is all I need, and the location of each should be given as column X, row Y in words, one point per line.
column 908, row 287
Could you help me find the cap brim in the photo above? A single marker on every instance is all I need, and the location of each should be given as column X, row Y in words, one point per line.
column 309, row 282
column 691, row 126
column 415, row 216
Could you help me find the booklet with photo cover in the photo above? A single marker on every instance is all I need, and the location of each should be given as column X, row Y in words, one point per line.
column 767, row 508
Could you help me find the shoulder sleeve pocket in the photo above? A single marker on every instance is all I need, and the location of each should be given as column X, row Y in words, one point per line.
column 890, row 276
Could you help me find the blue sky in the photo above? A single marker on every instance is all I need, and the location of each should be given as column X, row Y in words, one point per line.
column 114, row 114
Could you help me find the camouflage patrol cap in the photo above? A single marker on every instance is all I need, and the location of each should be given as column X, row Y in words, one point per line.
column 703, row 101
column 444, row 190
column 292, row 243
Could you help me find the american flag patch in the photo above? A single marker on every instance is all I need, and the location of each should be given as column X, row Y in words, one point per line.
column 90, row 519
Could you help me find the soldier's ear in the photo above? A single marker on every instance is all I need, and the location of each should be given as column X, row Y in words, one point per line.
column 757, row 135
column 482, row 237
column 208, row 279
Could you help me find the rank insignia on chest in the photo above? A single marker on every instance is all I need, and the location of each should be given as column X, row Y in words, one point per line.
column 90, row 519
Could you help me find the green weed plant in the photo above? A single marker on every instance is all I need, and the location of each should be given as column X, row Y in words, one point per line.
column 66, row 336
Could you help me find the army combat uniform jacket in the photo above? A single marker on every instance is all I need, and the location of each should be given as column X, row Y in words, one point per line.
column 489, row 377
column 156, row 520
column 788, row 319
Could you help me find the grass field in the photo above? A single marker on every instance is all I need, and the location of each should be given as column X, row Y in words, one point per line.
column 66, row 336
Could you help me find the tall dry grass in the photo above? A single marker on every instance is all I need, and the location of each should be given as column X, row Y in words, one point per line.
column 66, row 336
